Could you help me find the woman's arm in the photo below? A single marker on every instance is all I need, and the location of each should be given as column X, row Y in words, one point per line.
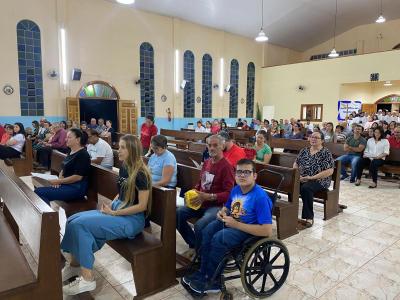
column 267, row 158
column 167, row 173
column 11, row 142
column 66, row 180
column 323, row 174
column 143, row 197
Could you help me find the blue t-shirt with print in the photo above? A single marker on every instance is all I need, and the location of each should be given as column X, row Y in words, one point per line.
column 157, row 163
column 251, row 208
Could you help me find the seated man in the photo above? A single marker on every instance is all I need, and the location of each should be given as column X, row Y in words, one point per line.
column 247, row 213
column 216, row 182
column 354, row 146
column 232, row 152
column 99, row 150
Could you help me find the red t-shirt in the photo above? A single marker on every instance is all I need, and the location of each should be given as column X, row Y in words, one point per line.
column 216, row 178
column 2, row 131
column 250, row 153
column 393, row 142
column 146, row 133
column 234, row 154
column 215, row 129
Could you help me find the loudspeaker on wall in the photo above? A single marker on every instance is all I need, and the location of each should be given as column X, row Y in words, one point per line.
column 76, row 74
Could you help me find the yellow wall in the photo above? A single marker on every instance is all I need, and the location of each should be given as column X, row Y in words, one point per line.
column 365, row 38
column 368, row 92
column 275, row 55
column 103, row 39
column 322, row 81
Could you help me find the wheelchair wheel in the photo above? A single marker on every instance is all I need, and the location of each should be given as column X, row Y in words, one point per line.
column 265, row 268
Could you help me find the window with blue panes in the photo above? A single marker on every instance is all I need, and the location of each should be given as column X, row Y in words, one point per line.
column 30, row 68
column 234, row 91
column 188, row 92
column 207, row 87
column 251, row 77
column 146, row 79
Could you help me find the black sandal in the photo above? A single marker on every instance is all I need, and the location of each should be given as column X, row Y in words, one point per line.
column 358, row 182
column 373, row 186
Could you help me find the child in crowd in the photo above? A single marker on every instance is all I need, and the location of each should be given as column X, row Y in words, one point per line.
column 7, row 135
column 249, row 149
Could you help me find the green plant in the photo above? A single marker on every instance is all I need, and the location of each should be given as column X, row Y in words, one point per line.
column 258, row 112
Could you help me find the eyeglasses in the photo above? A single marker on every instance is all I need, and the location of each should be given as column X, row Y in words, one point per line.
column 315, row 138
column 245, row 173
column 212, row 145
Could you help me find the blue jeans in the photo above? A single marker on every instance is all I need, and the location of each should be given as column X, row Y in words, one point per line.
column 183, row 214
column 217, row 241
column 350, row 159
column 86, row 232
column 66, row 192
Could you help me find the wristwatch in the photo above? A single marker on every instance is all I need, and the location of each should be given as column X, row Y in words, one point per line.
column 213, row 197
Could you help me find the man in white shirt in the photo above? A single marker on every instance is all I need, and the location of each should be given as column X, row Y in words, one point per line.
column 99, row 150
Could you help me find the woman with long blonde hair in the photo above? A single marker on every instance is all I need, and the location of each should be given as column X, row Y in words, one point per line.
column 86, row 232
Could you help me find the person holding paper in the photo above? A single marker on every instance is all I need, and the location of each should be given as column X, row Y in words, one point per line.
column 72, row 182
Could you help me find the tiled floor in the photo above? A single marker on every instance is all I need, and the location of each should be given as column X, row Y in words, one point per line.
column 353, row 256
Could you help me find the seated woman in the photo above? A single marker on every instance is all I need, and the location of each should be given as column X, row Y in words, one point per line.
column 9, row 132
column 162, row 163
column 13, row 147
column 374, row 156
column 264, row 152
column 73, row 179
column 330, row 136
column 109, row 130
column 315, row 165
column 36, row 127
column 297, row 134
column 86, row 232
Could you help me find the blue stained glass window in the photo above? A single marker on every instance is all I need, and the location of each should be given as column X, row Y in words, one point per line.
column 30, row 68
column 146, row 79
column 188, row 92
column 234, row 91
column 207, row 87
column 251, row 77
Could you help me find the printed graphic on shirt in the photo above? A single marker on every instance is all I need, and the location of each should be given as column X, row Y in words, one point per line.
column 237, row 209
column 206, row 180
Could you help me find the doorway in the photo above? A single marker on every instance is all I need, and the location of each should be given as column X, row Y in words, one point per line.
column 99, row 108
column 384, row 106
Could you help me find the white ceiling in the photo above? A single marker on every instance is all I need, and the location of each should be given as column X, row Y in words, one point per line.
column 296, row 24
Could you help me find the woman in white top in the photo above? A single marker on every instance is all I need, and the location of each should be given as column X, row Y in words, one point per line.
column 13, row 147
column 374, row 156
column 208, row 127
column 200, row 127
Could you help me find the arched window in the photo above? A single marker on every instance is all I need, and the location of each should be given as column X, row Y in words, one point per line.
column 188, row 92
column 98, row 90
column 207, row 87
column 251, row 77
column 234, row 90
column 146, row 80
column 30, row 68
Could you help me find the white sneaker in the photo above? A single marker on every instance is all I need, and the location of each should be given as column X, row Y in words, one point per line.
column 79, row 285
column 68, row 272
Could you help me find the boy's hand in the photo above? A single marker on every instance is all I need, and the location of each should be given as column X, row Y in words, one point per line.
column 221, row 214
column 230, row 222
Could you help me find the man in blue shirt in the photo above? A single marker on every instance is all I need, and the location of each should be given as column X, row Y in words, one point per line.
column 246, row 213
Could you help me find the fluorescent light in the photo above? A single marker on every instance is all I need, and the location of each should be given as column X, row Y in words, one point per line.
column 387, row 83
column 261, row 37
column 177, row 83
column 333, row 53
column 63, row 56
column 126, row 1
column 381, row 19
column 221, row 77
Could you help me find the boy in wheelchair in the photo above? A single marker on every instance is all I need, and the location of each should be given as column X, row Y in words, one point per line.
column 246, row 213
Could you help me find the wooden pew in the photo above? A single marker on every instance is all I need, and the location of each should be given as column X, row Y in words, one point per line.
column 23, row 165
column 186, row 157
column 197, row 147
column 25, row 212
column 242, row 136
column 182, row 138
column 152, row 258
column 394, row 155
column 288, row 144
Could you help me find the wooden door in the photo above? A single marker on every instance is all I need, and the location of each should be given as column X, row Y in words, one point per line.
column 369, row 109
column 127, row 116
column 73, row 112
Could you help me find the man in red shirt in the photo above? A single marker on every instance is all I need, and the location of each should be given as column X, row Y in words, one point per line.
column 2, row 131
column 216, row 182
column 147, row 131
column 232, row 152
column 394, row 140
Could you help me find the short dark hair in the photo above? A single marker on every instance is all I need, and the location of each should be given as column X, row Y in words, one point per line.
column 151, row 118
column 159, row 141
column 381, row 132
column 322, row 136
column 94, row 132
column 264, row 134
column 248, row 162
column 82, row 135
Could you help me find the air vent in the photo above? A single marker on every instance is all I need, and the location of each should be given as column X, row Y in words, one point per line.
column 341, row 53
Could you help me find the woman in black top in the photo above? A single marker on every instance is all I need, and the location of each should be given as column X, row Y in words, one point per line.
column 315, row 165
column 72, row 182
column 86, row 232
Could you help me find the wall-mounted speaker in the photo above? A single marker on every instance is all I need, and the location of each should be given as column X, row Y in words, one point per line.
column 76, row 74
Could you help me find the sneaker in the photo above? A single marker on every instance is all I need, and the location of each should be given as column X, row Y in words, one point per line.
column 194, row 276
column 189, row 254
column 68, row 272
column 201, row 286
column 79, row 285
column 343, row 177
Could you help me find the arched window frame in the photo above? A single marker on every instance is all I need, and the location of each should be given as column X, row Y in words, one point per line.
column 189, row 90
column 147, row 86
column 207, row 86
column 234, row 90
column 251, row 77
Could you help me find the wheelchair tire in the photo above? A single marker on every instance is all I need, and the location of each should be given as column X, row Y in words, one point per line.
column 262, row 275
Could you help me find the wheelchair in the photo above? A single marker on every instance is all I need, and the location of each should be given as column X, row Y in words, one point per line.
column 263, row 263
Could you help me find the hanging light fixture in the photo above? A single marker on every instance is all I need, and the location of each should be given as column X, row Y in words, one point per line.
column 261, row 37
column 333, row 53
column 381, row 18
column 126, row 1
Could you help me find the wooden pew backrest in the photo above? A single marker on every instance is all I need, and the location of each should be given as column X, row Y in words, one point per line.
column 186, row 157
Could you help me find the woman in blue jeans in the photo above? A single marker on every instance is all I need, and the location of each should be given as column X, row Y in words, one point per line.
column 86, row 232
column 72, row 182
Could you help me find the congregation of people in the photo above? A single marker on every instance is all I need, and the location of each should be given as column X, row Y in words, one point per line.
column 229, row 206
